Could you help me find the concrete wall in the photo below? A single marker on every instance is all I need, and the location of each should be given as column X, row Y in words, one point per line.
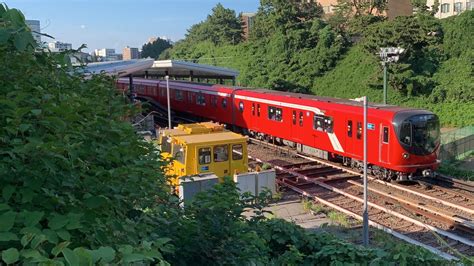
column 256, row 182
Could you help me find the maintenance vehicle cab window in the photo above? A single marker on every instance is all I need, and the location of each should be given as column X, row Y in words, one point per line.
column 205, row 156
column 221, row 153
column 179, row 153
column 237, row 152
column 275, row 113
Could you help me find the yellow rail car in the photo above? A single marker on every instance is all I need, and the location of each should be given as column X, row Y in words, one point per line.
column 222, row 153
column 165, row 135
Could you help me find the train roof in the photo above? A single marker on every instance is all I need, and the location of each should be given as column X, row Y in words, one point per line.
column 211, row 138
column 351, row 102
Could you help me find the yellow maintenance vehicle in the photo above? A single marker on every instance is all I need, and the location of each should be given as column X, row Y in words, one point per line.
column 222, row 153
column 165, row 135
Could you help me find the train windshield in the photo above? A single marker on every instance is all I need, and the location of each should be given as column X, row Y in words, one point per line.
column 420, row 134
column 166, row 144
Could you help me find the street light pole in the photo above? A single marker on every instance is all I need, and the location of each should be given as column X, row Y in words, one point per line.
column 168, row 100
column 388, row 55
column 366, row 211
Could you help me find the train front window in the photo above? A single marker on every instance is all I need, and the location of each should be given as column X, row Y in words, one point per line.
column 420, row 134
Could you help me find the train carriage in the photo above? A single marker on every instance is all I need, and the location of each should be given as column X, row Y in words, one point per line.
column 401, row 141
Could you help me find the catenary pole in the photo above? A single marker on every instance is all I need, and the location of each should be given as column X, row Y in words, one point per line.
column 366, row 211
column 384, row 82
column 168, row 100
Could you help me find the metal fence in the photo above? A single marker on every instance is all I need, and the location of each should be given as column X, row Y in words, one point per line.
column 456, row 143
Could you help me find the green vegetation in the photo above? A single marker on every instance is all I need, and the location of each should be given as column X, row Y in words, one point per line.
column 79, row 187
column 291, row 48
column 155, row 48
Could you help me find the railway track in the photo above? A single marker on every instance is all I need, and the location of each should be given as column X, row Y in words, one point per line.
column 441, row 227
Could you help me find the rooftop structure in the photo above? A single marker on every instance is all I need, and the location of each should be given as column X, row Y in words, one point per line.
column 35, row 27
column 248, row 20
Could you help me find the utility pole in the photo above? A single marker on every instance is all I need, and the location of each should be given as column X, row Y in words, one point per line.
column 366, row 210
column 168, row 100
column 384, row 82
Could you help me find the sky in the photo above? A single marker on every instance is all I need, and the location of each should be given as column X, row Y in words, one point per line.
column 119, row 23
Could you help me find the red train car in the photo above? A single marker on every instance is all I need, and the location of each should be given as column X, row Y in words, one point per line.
column 401, row 141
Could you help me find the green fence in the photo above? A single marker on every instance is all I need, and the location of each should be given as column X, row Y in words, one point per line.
column 457, row 143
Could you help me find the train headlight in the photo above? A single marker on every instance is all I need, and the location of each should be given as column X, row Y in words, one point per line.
column 406, row 155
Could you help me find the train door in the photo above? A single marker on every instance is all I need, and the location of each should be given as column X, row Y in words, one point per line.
column 221, row 160
column 350, row 137
column 295, row 125
column 237, row 158
column 384, row 143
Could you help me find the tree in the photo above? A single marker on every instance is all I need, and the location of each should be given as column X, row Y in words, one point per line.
column 222, row 26
column 155, row 48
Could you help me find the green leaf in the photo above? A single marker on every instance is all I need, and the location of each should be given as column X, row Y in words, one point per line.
column 36, row 111
column 7, row 192
column 4, row 36
column 134, row 257
column 26, row 239
column 95, row 202
column 4, row 206
column 10, row 255
column 7, row 236
column 84, row 256
column 6, row 221
column 32, row 218
column 51, row 236
column 70, row 257
column 22, row 40
column 60, row 247
column 37, row 240
column 64, row 234
column 104, row 254
column 57, row 222
column 126, row 249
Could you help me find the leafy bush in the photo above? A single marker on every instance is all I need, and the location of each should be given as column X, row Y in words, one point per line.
column 77, row 183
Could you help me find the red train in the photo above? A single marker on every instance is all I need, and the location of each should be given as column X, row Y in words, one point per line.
column 402, row 142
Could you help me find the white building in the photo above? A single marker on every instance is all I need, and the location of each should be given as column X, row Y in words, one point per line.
column 56, row 46
column 106, row 54
column 35, row 28
column 449, row 8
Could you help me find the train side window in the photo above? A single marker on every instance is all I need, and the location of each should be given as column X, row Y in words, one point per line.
column 385, row 134
column 241, row 106
column 349, row 128
column 323, row 123
column 293, row 116
column 162, row 92
column 178, row 95
column 301, row 119
column 224, row 103
column 258, row 110
column 275, row 113
column 237, row 152
column 205, row 156
column 359, row 130
column 190, row 97
column 215, row 101
column 253, row 108
column 201, row 99
column 221, row 153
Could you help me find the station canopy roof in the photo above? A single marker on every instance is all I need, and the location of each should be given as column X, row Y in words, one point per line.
column 161, row 68
column 182, row 69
